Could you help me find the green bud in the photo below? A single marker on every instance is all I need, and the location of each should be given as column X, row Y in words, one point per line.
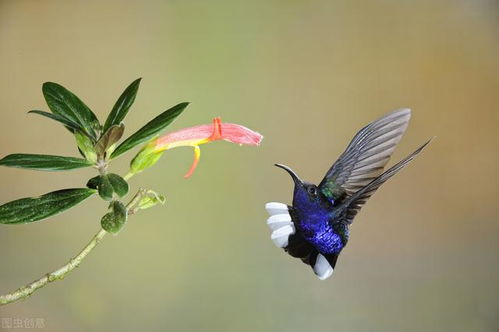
column 107, row 141
column 113, row 221
column 151, row 199
column 86, row 146
column 110, row 150
column 144, row 159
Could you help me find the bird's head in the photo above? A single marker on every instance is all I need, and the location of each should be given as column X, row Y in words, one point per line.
column 306, row 195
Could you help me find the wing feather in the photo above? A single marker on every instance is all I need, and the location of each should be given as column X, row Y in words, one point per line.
column 352, row 205
column 366, row 156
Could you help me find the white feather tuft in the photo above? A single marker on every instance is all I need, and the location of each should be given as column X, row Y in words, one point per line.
column 279, row 220
column 281, row 235
column 322, row 268
column 276, row 208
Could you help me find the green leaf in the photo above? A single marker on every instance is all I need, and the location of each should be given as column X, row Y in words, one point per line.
column 120, row 186
column 109, row 184
column 122, row 105
column 85, row 146
column 94, row 182
column 59, row 118
column 110, row 137
column 105, row 188
column 150, row 129
column 27, row 210
column 66, row 104
column 112, row 222
column 43, row 162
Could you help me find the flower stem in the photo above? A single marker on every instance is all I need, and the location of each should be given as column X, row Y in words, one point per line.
column 58, row 274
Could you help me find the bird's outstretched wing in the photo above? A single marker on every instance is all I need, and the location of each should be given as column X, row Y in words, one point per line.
column 352, row 205
column 365, row 157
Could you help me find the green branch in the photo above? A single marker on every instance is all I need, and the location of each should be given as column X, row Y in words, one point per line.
column 58, row 274
column 73, row 263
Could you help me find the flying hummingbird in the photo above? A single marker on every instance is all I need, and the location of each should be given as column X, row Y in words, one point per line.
column 315, row 227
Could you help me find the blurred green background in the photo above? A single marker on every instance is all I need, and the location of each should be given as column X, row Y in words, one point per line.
column 424, row 253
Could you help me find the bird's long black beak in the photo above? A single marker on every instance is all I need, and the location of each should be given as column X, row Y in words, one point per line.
column 295, row 177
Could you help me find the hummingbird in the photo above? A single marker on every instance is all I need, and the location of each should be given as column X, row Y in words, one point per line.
column 315, row 228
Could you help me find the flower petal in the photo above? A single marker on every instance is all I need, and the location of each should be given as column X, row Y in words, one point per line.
column 208, row 133
column 240, row 135
column 194, row 136
column 184, row 137
column 197, row 154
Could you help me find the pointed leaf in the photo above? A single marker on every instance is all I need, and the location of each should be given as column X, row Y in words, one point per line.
column 120, row 186
column 122, row 105
column 43, row 162
column 64, row 103
column 32, row 209
column 110, row 137
column 81, row 153
column 150, row 129
column 71, row 125
column 113, row 221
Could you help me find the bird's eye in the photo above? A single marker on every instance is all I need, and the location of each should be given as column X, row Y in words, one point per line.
column 312, row 191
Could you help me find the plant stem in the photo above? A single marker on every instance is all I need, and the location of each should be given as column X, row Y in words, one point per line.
column 61, row 272
column 58, row 274
column 128, row 176
column 132, row 205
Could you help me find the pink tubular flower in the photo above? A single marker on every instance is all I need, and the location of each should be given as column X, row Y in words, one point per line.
column 194, row 136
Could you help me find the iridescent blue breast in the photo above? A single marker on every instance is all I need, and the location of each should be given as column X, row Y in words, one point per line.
column 321, row 235
column 312, row 216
